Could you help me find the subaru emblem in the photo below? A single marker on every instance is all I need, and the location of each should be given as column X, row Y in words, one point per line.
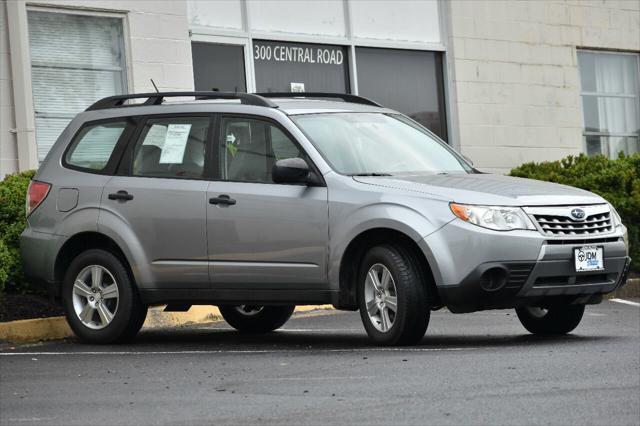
column 578, row 214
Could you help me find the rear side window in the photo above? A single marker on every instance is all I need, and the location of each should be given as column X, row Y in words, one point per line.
column 172, row 148
column 94, row 145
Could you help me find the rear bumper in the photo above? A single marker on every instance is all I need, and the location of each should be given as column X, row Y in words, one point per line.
column 37, row 252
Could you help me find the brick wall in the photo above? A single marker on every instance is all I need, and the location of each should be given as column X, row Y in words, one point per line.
column 516, row 78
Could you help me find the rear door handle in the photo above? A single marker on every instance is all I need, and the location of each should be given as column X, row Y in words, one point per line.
column 224, row 200
column 121, row 195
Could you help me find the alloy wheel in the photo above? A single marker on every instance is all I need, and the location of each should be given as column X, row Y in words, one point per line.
column 381, row 297
column 95, row 297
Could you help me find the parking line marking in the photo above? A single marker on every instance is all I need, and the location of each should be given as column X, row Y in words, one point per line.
column 212, row 352
column 625, row 302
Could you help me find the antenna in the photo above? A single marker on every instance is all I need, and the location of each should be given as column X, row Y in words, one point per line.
column 154, row 85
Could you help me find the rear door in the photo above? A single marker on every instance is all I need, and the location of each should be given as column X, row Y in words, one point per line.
column 158, row 201
column 263, row 235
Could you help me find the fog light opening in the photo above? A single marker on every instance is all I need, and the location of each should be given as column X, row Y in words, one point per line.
column 493, row 279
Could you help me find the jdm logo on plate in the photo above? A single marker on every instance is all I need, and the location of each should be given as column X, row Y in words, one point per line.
column 589, row 258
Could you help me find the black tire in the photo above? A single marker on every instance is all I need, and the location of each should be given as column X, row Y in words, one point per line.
column 130, row 312
column 413, row 311
column 256, row 319
column 559, row 319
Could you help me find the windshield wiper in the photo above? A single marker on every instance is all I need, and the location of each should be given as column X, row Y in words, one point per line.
column 369, row 174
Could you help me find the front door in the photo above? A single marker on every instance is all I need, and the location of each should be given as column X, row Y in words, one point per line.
column 159, row 202
column 263, row 235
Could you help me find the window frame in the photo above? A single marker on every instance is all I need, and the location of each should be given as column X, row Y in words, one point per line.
column 604, row 150
column 218, row 148
column 125, row 44
column 116, row 155
column 125, row 167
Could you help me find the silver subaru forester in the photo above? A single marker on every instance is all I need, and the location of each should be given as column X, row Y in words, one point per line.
column 258, row 203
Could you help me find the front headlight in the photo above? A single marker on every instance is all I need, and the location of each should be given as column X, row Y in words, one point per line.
column 499, row 218
column 616, row 217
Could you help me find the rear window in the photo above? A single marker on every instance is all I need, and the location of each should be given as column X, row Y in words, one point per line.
column 94, row 145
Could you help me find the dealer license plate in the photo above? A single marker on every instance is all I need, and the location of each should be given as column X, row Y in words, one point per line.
column 589, row 258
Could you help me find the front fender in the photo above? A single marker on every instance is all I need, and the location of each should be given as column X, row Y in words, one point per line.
column 384, row 215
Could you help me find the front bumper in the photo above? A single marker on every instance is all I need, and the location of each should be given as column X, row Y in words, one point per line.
column 477, row 269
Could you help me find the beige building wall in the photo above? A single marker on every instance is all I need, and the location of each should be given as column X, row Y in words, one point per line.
column 515, row 77
column 157, row 46
column 8, row 146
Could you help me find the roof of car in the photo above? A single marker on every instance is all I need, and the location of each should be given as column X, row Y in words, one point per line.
column 294, row 106
column 289, row 103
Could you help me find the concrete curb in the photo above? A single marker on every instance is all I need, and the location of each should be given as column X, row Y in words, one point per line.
column 41, row 329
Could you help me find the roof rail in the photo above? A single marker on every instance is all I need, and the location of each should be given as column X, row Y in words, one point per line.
column 344, row 96
column 157, row 98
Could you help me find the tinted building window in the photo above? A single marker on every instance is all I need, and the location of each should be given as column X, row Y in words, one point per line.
column 218, row 67
column 406, row 80
column 300, row 67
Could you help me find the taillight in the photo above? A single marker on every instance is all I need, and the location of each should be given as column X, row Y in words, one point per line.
column 36, row 194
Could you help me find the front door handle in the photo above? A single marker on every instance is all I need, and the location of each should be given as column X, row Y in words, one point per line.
column 121, row 195
column 224, row 200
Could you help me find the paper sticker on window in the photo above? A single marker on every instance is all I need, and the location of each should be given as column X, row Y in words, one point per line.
column 175, row 143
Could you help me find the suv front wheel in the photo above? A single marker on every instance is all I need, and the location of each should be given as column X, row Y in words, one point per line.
column 558, row 319
column 392, row 297
column 100, row 301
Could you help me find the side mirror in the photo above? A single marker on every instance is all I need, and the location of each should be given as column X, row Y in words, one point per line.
column 293, row 171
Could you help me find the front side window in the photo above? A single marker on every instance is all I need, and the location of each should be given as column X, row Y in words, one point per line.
column 375, row 143
column 171, row 148
column 610, row 102
column 94, row 145
column 75, row 60
column 249, row 149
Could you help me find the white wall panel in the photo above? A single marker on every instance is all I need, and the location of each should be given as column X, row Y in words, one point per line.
column 298, row 17
column 219, row 13
column 400, row 20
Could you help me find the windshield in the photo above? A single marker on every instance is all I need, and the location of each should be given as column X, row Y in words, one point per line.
column 377, row 144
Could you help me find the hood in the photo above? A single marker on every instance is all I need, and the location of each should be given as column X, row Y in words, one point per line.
column 486, row 189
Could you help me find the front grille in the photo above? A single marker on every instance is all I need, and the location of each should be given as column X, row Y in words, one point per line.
column 574, row 280
column 562, row 225
column 559, row 221
column 576, row 241
column 518, row 274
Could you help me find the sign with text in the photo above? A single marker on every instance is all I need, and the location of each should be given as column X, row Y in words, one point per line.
column 283, row 66
column 297, row 53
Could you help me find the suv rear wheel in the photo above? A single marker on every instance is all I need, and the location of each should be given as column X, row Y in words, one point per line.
column 392, row 297
column 100, row 301
column 255, row 318
column 559, row 319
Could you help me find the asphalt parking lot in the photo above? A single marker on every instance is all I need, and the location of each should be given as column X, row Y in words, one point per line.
column 480, row 368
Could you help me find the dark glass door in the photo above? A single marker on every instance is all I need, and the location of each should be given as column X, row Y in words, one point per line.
column 409, row 81
column 218, row 67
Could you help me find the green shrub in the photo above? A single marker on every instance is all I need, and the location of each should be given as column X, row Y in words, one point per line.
column 617, row 181
column 13, row 191
column 5, row 265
